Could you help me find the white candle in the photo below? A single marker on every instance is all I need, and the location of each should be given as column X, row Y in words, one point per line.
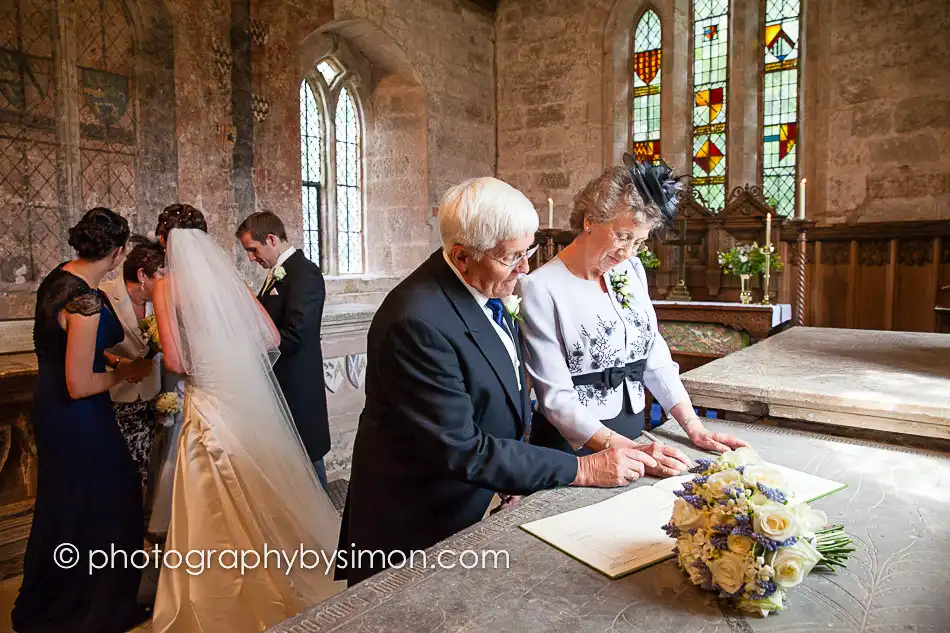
column 801, row 199
column 550, row 213
column 768, row 231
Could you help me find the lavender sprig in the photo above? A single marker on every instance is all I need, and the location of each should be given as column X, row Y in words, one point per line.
column 772, row 494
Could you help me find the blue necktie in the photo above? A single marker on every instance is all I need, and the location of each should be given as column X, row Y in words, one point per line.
column 498, row 313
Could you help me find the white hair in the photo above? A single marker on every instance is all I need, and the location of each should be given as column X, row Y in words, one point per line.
column 481, row 212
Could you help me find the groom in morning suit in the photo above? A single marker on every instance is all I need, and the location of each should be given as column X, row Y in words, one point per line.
column 446, row 396
column 293, row 295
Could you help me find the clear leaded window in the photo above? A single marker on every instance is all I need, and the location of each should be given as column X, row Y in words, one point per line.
column 331, row 150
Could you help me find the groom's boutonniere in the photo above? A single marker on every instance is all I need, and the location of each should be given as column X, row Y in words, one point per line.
column 512, row 305
column 620, row 283
column 279, row 273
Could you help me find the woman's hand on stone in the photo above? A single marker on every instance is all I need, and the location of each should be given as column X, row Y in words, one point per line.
column 703, row 438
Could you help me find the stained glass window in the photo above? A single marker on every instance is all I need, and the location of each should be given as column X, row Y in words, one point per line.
column 780, row 104
column 647, row 53
column 311, row 166
column 710, row 66
column 349, row 201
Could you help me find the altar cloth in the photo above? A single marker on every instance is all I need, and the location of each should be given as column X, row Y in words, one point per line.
column 896, row 507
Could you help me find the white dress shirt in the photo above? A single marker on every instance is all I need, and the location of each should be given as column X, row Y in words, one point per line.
column 572, row 327
column 280, row 262
column 482, row 301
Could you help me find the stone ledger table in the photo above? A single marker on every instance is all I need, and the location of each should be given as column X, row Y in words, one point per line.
column 896, row 507
column 880, row 381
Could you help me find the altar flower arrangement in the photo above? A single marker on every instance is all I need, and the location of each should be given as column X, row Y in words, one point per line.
column 737, row 535
column 749, row 259
column 648, row 258
column 149, row 327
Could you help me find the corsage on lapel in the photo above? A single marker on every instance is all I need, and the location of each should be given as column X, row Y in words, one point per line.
column 512, row 305
column 621, row 285
column 279, row 273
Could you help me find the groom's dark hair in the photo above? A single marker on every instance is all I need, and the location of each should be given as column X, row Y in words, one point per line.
column 261, row 224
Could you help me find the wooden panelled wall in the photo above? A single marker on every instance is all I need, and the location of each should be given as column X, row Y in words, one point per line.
column 880, row 276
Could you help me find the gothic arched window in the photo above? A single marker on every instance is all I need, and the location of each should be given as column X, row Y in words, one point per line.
column 331, row 153
column 710, row 69
column 647, row 54
column 780, row 104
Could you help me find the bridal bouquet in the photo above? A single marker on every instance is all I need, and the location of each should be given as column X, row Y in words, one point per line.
column 737, row 535
column 149, row 327
column 168, row 404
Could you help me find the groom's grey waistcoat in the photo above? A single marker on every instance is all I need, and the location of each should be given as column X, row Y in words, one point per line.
column 440, row 431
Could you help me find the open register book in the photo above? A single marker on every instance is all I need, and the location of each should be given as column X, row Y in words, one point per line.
column 625, row 533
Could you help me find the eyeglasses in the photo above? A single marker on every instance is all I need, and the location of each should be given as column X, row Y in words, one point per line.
column 626, row 241
column 515, row 259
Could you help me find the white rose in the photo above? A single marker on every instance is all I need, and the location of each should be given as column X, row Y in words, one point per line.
column 777, row 522
column 279, row 273
column 739, row 544
column 728, row 571
column 811, row 520
column 792, row 564
column 755, row 474
column 686, row 516
column 718, row 482
column 512, row 304
column 742, row 456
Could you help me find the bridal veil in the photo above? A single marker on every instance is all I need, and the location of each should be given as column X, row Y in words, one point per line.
column 243, row 478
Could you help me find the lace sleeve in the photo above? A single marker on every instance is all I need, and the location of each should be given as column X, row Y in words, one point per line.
column 86, row 304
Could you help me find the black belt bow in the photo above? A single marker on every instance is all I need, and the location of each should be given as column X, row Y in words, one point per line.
column 613, row 377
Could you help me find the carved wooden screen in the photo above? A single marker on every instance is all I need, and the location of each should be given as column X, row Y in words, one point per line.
column 32, row 222
column 105, row 45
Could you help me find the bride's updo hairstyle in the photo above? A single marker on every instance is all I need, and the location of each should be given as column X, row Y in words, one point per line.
column 179, row 216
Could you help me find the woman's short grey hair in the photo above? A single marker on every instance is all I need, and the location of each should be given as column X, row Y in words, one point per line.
column 481, row 212
column 608, row 195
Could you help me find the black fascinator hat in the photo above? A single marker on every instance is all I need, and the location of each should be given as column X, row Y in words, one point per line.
column 657, row 185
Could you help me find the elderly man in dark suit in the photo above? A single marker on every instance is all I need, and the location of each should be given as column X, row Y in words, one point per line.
column 446, row 397
column 293, row 295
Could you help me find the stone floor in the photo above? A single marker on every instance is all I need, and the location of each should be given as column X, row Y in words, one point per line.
column 11, row 585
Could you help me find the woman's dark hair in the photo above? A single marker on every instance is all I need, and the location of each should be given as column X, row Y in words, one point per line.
column 146, row 255
column 179, row 216
column 98, row 233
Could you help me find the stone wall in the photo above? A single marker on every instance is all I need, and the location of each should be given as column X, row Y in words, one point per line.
column 216, row 88
column 875, row 117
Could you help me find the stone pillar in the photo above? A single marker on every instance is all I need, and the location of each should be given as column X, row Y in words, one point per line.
column 743, row 109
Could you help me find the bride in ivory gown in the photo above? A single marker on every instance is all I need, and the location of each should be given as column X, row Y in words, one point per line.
column 243, row 483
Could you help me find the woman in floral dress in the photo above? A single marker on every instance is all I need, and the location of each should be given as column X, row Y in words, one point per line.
column 590, row 330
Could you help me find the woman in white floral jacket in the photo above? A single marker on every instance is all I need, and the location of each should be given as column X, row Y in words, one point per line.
column 590, row 330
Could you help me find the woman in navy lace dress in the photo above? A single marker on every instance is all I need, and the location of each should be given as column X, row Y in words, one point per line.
column 88, row 493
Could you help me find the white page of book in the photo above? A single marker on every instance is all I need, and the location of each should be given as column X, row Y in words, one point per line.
column 625, row 533
column 616, row 536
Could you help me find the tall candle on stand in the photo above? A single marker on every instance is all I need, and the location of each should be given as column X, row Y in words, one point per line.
column 550, row 213
column 768, row 258
column 801, row 199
